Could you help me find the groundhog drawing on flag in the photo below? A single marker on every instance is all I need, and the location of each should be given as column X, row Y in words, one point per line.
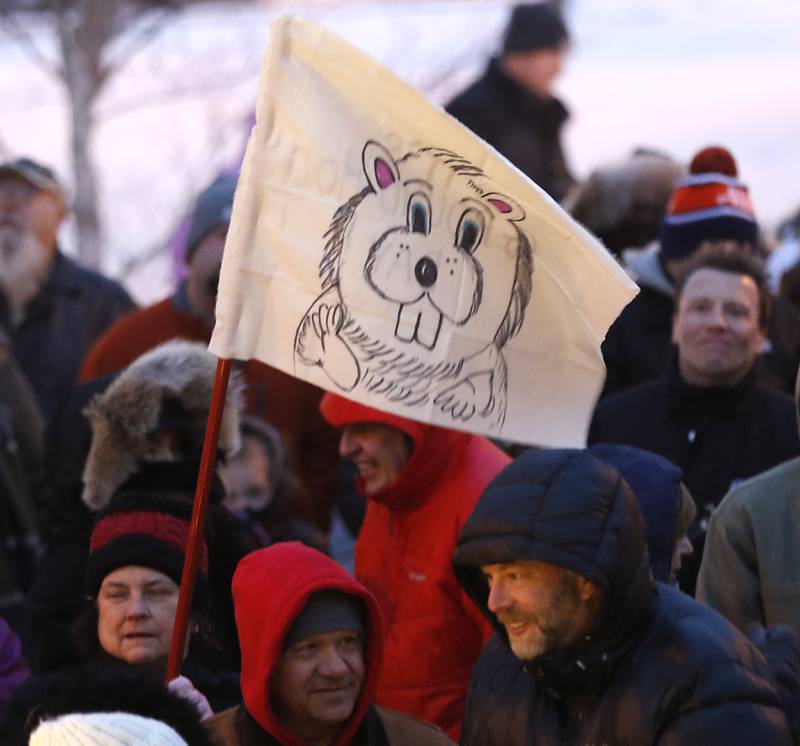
column 426, row 275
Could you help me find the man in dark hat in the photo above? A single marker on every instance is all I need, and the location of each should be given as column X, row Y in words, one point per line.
column 512, row 105
column 312, row 645
column 56, row 308
column 555, row 556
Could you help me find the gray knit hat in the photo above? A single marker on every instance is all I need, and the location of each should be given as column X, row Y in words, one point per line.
column 212, row 209
column 327, row 611
column 104, row 729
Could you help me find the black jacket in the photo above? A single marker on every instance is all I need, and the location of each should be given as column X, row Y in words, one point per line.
column 655, row 668
column 522, row 126
column 717, row 436
column 72, row 309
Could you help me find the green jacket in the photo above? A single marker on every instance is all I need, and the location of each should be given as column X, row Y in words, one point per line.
column 751, row 564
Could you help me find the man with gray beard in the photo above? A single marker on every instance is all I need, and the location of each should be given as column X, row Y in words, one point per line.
column 55, row 307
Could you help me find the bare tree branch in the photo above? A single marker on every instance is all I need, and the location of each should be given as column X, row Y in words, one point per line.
column 183, row 91
column 141, row 259
column 10, row 24
column 148, row 30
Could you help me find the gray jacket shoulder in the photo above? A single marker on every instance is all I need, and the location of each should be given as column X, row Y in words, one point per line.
column 772, row 488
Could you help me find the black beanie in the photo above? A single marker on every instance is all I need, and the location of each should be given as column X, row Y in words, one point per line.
column 326, row 611
column 147, row 530
column 533, row 27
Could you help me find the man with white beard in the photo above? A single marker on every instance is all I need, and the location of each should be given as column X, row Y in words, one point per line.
column 55, row 307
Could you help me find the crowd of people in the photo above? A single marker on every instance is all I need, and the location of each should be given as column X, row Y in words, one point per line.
column 369, row 579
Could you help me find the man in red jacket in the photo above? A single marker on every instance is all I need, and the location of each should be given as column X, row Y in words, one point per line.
column 421, row 482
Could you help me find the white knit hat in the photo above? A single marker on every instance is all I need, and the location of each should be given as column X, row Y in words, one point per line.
column 104, row 729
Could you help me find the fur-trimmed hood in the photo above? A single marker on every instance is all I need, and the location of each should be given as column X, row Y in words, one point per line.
column 632, row 193
column 167, row 389
column 645, row 268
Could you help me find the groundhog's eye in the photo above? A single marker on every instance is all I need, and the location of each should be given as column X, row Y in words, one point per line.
column 419, row 213
column 469, row 231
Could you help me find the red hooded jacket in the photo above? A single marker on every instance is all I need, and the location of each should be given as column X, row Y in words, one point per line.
column 403, row 554
column 270, row 588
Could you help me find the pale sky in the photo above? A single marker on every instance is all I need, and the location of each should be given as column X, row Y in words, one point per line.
column 673, row 74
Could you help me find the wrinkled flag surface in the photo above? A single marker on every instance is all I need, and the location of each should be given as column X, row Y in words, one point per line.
column 380, row 250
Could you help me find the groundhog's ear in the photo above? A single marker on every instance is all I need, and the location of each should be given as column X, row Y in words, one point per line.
column 379, row 166
column 506, row 206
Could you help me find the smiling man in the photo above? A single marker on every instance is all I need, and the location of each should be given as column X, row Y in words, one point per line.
column 555, row 556
column 312, row 644
column 708, row 415
column 421, row 483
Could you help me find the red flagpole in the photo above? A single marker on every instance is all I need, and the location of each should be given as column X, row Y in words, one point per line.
column 198, row 518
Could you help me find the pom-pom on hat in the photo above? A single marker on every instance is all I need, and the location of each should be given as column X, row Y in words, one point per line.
column 709, row 204
column 104, row 729
column 714, row 159
column 532, row 27
column 146, row 530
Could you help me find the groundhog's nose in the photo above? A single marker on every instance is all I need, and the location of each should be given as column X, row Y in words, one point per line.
column 426, row 272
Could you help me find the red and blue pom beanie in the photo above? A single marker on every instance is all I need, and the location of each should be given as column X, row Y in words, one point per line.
column 709, row 204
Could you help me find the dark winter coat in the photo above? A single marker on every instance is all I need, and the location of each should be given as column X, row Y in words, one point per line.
column 72, row 309
column 22, row 485
column 100, row 687
column 638, row 345
column 717, row 436
column 13, row 669
column 520, row 125
column 655, row 668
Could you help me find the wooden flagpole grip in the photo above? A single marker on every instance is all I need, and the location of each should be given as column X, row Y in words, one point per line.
column 202, row 491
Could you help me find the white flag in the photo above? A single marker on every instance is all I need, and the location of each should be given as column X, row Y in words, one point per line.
column 380, row 250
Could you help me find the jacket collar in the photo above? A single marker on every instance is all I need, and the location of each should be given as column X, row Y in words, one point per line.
column 584, row 668
column 703, row 401
column 645, row 266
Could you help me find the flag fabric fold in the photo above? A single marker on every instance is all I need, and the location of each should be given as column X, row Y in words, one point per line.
column 380, row 250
